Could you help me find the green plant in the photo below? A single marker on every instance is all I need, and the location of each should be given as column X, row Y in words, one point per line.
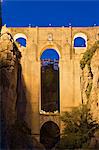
column 86, row 60
column 88, row 55
column 88, row 89
column 79, row 127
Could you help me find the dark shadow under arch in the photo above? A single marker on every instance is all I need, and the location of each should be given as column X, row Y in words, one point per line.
column 49, row 134
column 50, row 97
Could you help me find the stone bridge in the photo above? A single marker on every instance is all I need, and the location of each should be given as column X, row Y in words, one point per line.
column 62, row 39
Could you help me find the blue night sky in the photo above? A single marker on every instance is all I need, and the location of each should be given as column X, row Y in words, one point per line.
column 43, row 13
column 50, row 53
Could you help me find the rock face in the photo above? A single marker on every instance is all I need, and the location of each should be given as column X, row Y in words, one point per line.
column 15, row 133
column 94, row 95
column 90, row 79
column 9, row 62
column 90, row 86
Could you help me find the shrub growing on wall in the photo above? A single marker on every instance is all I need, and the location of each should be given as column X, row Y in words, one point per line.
column 79, row 128
column 88, row 56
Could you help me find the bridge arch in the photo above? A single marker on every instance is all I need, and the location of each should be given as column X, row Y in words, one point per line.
column 54, row 51
column 50, row 91
column 56, row 47
column 49, row 134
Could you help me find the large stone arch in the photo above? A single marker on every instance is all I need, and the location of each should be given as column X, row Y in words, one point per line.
column 40, row 101
column 49, row 134
column 54, row 117
column 50, row 46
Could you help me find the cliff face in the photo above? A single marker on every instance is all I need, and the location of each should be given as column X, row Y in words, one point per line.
column 9, row 60
column 90, row 79
column 94, row 95
column 15, row 133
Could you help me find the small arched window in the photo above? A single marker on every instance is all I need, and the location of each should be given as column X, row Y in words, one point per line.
column 80, row 40
column 21, row 39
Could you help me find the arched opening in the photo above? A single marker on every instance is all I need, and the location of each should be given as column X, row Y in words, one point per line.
column 49, row 134
column 50, row 81
column 79, row 42
column 21, row 41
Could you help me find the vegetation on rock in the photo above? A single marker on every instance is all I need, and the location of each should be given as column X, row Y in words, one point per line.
column 88, row 56
column 79, row 128
column 15, row 133
column 88, row 89
column 86, row 60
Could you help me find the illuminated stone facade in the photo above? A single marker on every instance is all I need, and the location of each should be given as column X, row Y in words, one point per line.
column 61, row 39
